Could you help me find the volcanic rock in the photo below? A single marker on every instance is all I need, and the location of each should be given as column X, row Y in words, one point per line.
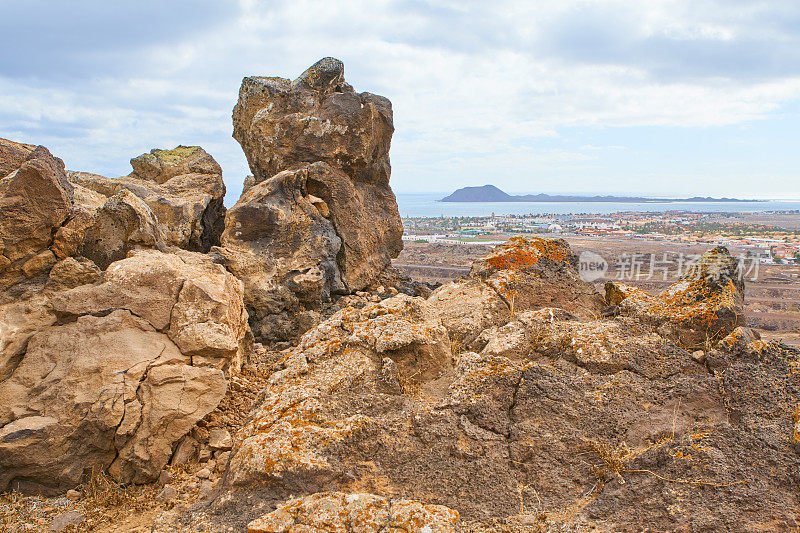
column 705, row 306
column 351, row 513
column 182, row 187
column 114, row 372
column 319, row 218
column 35, row 199
column 523, row 274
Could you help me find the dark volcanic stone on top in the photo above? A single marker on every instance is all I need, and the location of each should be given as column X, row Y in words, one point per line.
column 321, row 151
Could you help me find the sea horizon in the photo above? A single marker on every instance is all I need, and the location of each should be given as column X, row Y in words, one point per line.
column 428, row 205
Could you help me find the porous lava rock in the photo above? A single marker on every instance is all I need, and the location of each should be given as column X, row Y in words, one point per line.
column 319, row 217
column 701, row 309
column 35, row 199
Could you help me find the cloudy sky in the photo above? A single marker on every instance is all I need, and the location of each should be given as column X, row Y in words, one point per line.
column 656, row 97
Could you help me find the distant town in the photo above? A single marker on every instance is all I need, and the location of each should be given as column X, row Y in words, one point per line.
column 772, row 237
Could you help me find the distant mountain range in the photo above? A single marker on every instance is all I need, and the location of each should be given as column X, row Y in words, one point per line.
column 490, row 193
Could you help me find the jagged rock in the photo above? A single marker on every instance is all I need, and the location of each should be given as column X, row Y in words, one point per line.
column 467, row 308
column 523, row 274
column 705, row 306
column 97, row 390
column 344, row 352
column 197, row 303
column 533, row 273
column 355, row 513
column 35, row 199
column 182, row 187
column 124, row 223
column 283, row 124
column 12, row 155
column 306, row 227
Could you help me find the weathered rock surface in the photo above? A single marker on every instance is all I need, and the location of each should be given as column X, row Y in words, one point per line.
column 351, row 513
column 12, row 155
column 397, row 345
column 523, row 274
column 563, row 420
column 196, row 302
column 319, row 217
column 111, row 369
column 698, row 311
column 35, row 199
column 182, row 187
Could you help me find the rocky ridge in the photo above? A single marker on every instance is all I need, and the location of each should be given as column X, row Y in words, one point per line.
column 514, row 399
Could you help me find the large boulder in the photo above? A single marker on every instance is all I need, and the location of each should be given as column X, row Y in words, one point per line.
column 704, row 307
column 99, row 390
column 35, row 199
column 111, row 369
column 182, row 187
column 522, row 274
column 395, row 346
column 194, row 301
column 305, row 228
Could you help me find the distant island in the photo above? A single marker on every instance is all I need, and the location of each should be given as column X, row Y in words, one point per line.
column 490, row 193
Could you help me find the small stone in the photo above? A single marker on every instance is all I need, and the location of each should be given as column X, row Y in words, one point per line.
column 204, row 455
column 168, row 493
column 393, row 291
column 184, row 451
column 64, row 520
column 220, row 439
column 206, row 487
column 222, row 460
column 165, row 477
column 204, row 473
column 73, row 495
column 211, row 465
column 380, row 289
column 699, row 356
column 375, row 298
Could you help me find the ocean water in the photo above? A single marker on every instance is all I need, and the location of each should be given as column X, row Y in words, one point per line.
column 426, row 205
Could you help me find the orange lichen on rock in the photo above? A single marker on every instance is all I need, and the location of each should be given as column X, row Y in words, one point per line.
column 521, row 252
column 351, row 513
column 705, row 305
column 291, row 428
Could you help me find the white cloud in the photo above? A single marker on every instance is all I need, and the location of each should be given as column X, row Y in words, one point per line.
column 475, row 86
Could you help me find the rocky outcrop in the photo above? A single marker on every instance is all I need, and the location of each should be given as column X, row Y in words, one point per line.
column 523, row 274
column 12, row 155
column 306, row 227
column 395, row 346
column 111, row 369
column 183, row 189
column 698, row 311
column 35, row 199
column 559, row 419
column 351, row 513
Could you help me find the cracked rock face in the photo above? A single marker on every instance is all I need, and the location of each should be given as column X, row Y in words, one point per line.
column 116, row 368
column 35, row 199
column 557, row 420
column 182, row 187
column 319, row 217
column 697, row 312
